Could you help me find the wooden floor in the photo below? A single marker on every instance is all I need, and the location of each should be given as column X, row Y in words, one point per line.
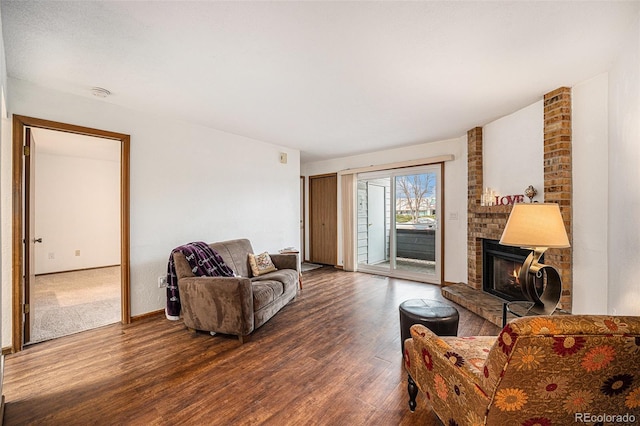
column 330, row 357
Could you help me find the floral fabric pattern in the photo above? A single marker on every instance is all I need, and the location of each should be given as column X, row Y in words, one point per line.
column 528, row 358
column 552, row 387
column 537, row 421
column 617, row 384
column 473, row 350
column 441, row 387
column 506, row 339
column 633, row 399
column 511, row 399
column 633, row 345
column 537, row 371
column 611, row 325
column 578, row 401
column 598, row 358
column 565, row 346
column 426, row 358
column 454, row 358
column 543, row 325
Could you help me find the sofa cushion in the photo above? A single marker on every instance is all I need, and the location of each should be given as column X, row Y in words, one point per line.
column 288, row 277
column 261, row 264
column 234, row 253
column 265, row 293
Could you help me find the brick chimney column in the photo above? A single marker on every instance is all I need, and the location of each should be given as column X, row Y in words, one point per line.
column 475, row 183
column 558, row 179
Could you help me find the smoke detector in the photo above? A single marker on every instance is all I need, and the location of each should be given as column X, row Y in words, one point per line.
column 100, row 92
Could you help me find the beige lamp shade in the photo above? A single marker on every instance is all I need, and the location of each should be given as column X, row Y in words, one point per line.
column 535, row 225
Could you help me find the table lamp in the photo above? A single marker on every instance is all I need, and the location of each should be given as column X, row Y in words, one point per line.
column 537, row 226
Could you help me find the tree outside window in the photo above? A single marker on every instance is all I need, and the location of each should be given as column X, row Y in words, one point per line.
column 415, row 195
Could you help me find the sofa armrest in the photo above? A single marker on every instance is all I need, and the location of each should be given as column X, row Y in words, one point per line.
column 439, row 347
column 219, row 304
column 285, row 261
column 444, row 376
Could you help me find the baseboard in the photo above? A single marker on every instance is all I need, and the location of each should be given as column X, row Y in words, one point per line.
column 76, row 270
column 1, row 391
column 147, row 315
column 8, row 350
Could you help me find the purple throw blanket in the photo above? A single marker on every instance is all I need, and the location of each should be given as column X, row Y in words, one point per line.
column 203, row 260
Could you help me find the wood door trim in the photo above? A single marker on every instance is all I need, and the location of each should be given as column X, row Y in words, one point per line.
column 29, row 229
column 323, row 175
column 442, row 224
column 303, row 219
column 19, row 123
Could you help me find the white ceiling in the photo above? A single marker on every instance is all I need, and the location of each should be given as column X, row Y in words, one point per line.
column 329, row 78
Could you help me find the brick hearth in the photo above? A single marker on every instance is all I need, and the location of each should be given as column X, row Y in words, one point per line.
column 489, row 221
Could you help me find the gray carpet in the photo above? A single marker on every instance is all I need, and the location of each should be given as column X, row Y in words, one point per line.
column 306, row 266
column 71, row 302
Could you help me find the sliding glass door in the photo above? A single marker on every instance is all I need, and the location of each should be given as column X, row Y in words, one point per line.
column 398, row 231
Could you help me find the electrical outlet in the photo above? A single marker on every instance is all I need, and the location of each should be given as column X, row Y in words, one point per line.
column 52, row 256
column 77, row 252
column 162, row 281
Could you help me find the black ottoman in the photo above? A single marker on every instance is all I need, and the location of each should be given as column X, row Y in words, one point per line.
column 438, row 317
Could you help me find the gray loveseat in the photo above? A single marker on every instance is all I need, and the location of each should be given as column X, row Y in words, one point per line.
column 235, row 305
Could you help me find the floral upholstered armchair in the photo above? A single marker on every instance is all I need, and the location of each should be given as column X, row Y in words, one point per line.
column 545, row 370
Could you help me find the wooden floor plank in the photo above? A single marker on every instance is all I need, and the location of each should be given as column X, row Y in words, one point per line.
column 330, row 357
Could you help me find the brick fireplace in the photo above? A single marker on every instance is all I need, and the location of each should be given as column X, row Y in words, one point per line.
column 488, row 222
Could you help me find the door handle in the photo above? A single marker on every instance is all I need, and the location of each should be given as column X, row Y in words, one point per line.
column 37, row 240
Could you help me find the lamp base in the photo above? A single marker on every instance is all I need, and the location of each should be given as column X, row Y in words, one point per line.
column 532, row 270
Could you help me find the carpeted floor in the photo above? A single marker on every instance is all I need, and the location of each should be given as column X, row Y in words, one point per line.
column 306, row 266
column 70, row 302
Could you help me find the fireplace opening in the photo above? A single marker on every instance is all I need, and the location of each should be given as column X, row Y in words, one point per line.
column 501, row 267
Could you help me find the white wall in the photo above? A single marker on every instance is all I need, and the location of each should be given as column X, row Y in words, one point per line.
column 590, row 191
column 502, row 145
column 188, row 183
column 455, row 206
column 514, row 161
column 77, row 207
column 624, row 178
column 513, row 152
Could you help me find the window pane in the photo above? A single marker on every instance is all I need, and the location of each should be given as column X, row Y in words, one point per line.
column 416, row 223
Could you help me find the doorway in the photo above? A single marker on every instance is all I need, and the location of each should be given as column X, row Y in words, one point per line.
column 76, row 227
column 398, row 223
column 377, row 244
column 323, row 219
column 23, row 229
column 302, row 220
